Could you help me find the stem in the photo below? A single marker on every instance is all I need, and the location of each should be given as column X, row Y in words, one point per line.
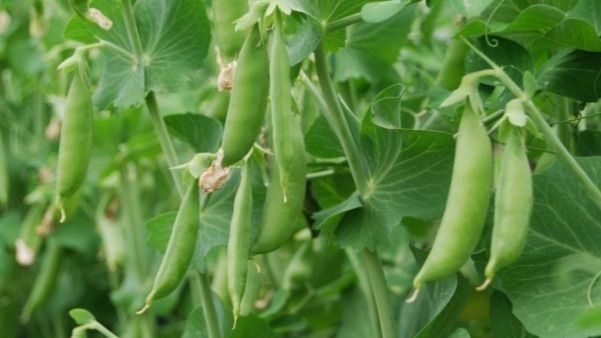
column 132, row 29
column 104, row 330
column 335, row 116
column 364, row 284
column 550, row 136
column 564, row 130
column 379, row 289
column 208, row 307
column 343, row 22
column 122, row 52
column 131, row 209
column 564, row 154
column 164, row 139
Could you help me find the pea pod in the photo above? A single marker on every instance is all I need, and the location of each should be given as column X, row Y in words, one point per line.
column 76, row 139
column 281, row 110
column 467, row 202
column 239, row 240
column 248, row 99
column 279, row 216
column 513, row 205
column 45, row 280
column 251, row 290
column 180, row 247
column 225, row 13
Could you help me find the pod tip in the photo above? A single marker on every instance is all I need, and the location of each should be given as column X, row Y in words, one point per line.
column 142, row 310
column 413, row 296
column 485, row 284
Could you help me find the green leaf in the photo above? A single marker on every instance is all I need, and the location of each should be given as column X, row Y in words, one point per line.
column 201, row 132
column 575, row 33
column 549, row 285
column 471, row 8
column 513, row 57
column 81, row 316
column 410, row 174
column 588, row 10
column 175, row 38
column 159, row 230
column 503, row 323
column 354, row 324
column 579, row 69
column 379, row 11
column 588, row 143
column 431, row 301
column 326, row 219
column 251, row 327
column 532, row 23
column 372, row 48
column 321, row 141
column 590, row 319
column 305, row 40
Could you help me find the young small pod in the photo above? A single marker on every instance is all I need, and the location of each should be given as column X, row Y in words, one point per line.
column 238, row 246
column 513, row 205
column 467, row 202
column 45, row 280
column 280, row 216
column 281, row 104
column 76, row 139
column 251, row 291
column 180, row 247
column 248, row 99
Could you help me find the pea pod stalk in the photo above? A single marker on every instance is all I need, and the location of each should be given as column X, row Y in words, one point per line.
column 467, row 202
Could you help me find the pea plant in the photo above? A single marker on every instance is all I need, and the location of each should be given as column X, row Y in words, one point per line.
column 300, row 168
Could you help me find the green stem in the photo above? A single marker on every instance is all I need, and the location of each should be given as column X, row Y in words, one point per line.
column 211, row 322
column 364, row 284
column 106, row 332
column 132, row 29
column 131, row 208
column 343, row 22
column 335, row 116
column 550, row 136
column 564, row 130
column 122, row 52
column 379, row 289
column 164, row 139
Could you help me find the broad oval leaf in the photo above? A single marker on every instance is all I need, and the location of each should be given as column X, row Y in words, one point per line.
column 549, row 285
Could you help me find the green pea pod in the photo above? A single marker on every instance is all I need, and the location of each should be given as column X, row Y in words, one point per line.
column 180, row 247
column 4, row 181
column 251, row 291
column 225, row 13
column 467, row 202
column 281, row 106
column 219, row 284
column 248, row 100
column 239, row 240
column 279, row 216
column 29, row 240
column 76, row 139
column 513, row 205
column 45, row 280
